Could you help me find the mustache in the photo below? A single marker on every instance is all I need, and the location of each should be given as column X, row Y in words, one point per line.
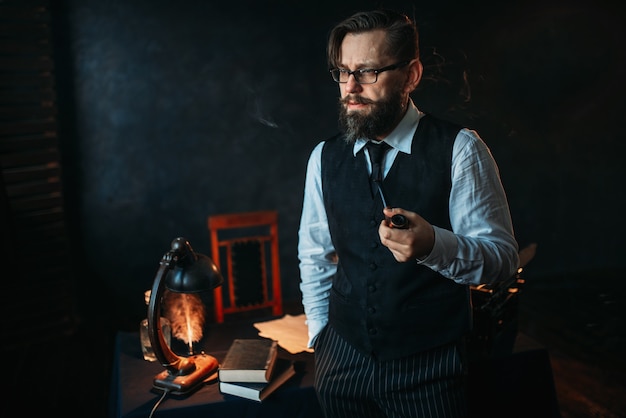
column 356, row 99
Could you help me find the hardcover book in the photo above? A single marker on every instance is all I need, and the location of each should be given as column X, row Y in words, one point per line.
column 285, row 369
column 249, row 360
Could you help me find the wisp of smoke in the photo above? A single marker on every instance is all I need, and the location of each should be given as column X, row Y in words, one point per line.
column 186, row 313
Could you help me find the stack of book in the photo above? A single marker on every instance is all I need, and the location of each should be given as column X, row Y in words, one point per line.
column 252, row 369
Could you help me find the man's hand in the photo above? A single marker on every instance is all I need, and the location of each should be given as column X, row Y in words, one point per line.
column 408, row 244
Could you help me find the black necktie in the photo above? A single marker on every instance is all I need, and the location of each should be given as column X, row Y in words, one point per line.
column 377, row 153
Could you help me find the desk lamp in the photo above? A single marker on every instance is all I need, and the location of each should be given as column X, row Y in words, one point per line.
column 184, row 271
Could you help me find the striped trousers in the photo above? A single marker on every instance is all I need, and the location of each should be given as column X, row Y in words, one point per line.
column 425, row 385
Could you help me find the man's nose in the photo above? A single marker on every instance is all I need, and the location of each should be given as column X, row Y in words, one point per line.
column 353, row 86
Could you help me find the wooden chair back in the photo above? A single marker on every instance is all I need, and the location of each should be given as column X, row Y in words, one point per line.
column 245, row 248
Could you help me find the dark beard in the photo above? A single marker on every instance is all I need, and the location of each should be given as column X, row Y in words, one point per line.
column 384, row 116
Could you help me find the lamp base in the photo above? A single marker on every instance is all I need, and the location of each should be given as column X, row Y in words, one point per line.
column 181, row 385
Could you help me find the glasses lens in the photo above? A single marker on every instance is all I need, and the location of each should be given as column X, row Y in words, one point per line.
column 366, row 77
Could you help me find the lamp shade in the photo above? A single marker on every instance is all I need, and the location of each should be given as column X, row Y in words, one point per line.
column 193, row 272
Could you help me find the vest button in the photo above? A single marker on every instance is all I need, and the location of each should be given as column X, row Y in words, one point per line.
column 373, row 222
column 373, row 266
column 371, row 288
column 372, row 331
column 371, row 310
column 373, row 244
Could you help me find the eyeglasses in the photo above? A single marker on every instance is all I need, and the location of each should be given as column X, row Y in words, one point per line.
column 365, row 75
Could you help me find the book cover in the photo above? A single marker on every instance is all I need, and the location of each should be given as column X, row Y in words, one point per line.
column 249, row 360
column 285, row 369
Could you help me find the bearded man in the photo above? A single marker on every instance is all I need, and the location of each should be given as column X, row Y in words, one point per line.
column 389, row 245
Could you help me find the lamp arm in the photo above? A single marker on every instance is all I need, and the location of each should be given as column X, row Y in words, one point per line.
column 175, row 364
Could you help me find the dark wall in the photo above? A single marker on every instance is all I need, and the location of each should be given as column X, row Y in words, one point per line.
column 173, row 111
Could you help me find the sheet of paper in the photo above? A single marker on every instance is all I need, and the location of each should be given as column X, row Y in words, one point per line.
column 290, row 331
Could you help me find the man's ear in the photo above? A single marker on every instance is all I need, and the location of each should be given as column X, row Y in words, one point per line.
column 414, row 76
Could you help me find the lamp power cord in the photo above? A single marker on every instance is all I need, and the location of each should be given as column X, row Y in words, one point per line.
column 156, row 405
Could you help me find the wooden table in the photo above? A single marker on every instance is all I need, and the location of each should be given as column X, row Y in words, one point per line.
column 132, row 394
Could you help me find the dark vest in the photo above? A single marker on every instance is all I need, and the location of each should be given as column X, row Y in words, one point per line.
column 384, row 308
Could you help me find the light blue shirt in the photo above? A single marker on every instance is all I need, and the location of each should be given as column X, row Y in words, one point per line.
column 481, row 247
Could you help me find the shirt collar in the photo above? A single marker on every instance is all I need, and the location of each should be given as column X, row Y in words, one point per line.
column 402, row 135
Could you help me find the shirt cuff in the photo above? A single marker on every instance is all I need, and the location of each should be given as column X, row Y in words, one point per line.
column 443, row 252
column 315, row 327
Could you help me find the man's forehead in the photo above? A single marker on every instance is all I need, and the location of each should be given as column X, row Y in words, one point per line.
column 363, row 48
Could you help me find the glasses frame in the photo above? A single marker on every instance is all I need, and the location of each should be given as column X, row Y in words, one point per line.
column 360, row 72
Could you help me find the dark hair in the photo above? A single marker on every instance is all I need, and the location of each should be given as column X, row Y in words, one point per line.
column 402, row 34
